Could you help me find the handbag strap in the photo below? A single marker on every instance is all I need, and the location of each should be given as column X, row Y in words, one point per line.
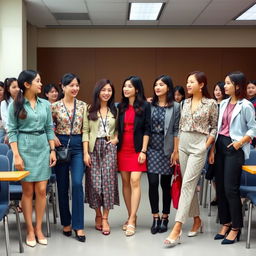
column 72, row 121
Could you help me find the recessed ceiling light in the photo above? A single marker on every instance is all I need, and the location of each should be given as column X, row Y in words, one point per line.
column 249, row 14
column 145, row 11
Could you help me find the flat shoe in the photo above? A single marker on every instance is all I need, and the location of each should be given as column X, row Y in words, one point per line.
column 31, row 243
column 130, row 231
column 124, row 227
column 42, row 241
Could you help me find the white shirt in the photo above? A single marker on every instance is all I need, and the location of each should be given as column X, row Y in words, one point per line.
column 4, row 111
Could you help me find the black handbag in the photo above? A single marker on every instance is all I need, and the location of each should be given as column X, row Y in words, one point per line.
column 63, row 153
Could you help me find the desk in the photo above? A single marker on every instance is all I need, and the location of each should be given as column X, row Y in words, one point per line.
column 249, row 168
column 13, row 175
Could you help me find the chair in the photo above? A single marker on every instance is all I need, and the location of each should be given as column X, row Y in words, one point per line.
column 10, row 157
column 3, row 149
column 248, row 180
column 252, row 201
column 4, row 209
column 4, row 201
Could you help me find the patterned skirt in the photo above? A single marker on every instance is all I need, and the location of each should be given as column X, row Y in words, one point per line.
column 101, row 185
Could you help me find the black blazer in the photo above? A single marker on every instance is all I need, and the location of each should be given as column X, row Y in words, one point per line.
column 142, row 127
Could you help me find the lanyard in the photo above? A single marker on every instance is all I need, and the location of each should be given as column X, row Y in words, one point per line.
column 104, row 124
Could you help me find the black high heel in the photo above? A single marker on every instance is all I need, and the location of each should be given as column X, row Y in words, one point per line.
column 67, row 233
column 219, row 236
column 80, row 238
column 227, row 241
column 155, row 225
column 164, row 225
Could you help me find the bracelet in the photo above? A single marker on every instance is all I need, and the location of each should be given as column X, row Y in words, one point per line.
column 52, row 149
column 144, row 152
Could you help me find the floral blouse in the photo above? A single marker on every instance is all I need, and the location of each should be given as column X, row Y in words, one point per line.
column 203, row 120
column 62, row 121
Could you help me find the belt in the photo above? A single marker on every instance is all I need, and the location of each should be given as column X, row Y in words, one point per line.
column 33, row 132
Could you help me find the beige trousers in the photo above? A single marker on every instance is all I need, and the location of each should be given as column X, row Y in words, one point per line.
column 192, row 156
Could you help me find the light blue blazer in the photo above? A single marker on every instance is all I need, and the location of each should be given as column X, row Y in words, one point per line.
column 242, row 122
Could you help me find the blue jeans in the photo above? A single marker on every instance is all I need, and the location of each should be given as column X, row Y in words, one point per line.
column 77, row 169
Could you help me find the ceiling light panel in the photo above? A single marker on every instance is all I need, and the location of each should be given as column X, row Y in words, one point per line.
column 145, row 11
column 250, row 14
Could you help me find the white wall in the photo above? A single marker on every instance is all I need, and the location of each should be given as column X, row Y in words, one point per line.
column 12, row 42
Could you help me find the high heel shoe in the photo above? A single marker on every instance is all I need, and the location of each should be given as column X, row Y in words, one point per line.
column 220, row 236
column 105, row 231
column 155, row 225
column 97, row 225
column 80, row 238
column 199, row 230
column 227, row 241
column 164, row 225
column 168, row 243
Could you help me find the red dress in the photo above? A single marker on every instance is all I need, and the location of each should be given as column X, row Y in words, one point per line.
column 127, row 157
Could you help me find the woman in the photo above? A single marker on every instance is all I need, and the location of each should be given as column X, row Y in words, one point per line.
column 68, row 117
column 219, row 92
column 11, row 90
column 133, row 136
column 198, row 126
column 51, row 92
column 100, row 139
column 251, row 92
column 179, row 94
column 218, row 95
column 30, row 135
column 162, row 149
column 236, row 128
column 2, row 131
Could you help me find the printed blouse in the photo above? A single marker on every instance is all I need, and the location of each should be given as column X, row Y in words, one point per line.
column 62, row 119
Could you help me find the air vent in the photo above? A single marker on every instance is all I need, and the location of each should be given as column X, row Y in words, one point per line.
column 71, row 16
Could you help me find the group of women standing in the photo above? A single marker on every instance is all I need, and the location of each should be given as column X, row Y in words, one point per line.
column 132, row 137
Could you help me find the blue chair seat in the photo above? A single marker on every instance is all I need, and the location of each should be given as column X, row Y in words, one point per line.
column 15, row 192
column 252, row 197
column 3, row 210
column 244, row 190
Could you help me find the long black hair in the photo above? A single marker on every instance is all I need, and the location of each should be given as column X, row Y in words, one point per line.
column 238, row 79
column 95, row 107
column 180, row 89
column 139, row 96
column 7, row 84
column 170, row 93
column 26, row 76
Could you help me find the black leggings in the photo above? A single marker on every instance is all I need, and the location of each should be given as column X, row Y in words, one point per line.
column 153, row 180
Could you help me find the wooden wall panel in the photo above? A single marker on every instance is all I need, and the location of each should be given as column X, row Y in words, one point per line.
column 116, row 64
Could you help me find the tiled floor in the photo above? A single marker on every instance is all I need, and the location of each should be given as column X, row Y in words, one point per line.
column 142, row 243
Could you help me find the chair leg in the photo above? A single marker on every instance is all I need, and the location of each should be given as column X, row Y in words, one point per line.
column 48, row 228
column 209, row 198
column 7, row 237
column 53, row 205
column 205, row 192
column 249, row 226
column 56, row 199
column 18, row 227
column 201, row 189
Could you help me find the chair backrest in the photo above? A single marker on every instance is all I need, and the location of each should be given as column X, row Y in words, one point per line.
column 4, row 164
column 4, row 193
column 247, row 178
column 10, row 157
column 3, row 149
